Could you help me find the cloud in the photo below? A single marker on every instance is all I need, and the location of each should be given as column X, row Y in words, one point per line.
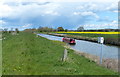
column 26, row 10
column 114, row 22
column 91, row 6
column 116, row 11
column 101, row 26
column 27, row 14
column 5, row 10
column 98, row 7
column 111, row 25
column 26, row 25
column 86, row 14
column 60, row 0
column 17, row 3
column 38, row 3
column 2, row 22
column 113, row 7
column 49, row 13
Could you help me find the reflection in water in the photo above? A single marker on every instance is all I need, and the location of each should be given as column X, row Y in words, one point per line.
column 90, row 47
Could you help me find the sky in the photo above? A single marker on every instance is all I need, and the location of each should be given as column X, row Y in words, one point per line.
column 69, row 14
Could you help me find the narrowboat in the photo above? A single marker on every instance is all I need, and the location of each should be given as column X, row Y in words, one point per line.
column 69, row 40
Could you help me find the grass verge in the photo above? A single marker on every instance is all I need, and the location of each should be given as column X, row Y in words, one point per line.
column 26, row 54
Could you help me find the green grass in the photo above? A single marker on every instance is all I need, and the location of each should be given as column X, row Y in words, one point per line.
column 0, row 57
column 0, row 53
column 26, row 54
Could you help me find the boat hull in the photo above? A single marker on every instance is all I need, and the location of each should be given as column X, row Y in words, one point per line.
column 69, row 40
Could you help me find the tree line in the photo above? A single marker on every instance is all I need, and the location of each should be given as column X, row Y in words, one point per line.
column 79, row 29
column 5, row 30
column 48, row 29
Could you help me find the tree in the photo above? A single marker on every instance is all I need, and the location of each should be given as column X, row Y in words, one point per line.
column 45, row 29
column 40, row 29
column 5, row 30
column 66, row 30
column 17, row 31
column 12, row 30
column 81, row 28
column 60, row 29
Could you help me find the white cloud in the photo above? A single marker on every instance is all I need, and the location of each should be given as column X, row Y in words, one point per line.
column 20, row 1
column 62, row 0
column 86, row 14
column 2, row 22
column 113, row 7
column 112, row 25
column 114, row 22
column 98, row 7
column 26, row 10
column 33, row 10
column 26, row 25
column 49, row 9
column 51, row 12
column 93, row 6
column 116, row 11
column 101, row 26
column 5, row 10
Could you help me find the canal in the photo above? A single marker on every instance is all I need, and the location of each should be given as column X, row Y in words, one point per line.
column 90, row 47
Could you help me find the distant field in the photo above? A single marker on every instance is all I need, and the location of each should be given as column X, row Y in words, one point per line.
column 92, row 32
column 26, row 54
column 115, row 36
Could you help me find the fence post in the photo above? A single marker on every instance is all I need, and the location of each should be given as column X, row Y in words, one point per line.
column 37, row 35
column 64, row 55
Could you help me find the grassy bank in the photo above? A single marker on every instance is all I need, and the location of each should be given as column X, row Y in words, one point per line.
column 114, row 36
column 0, row 57
column 26, row 54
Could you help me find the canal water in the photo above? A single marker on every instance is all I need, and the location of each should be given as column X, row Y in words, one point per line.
column 90, row 47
